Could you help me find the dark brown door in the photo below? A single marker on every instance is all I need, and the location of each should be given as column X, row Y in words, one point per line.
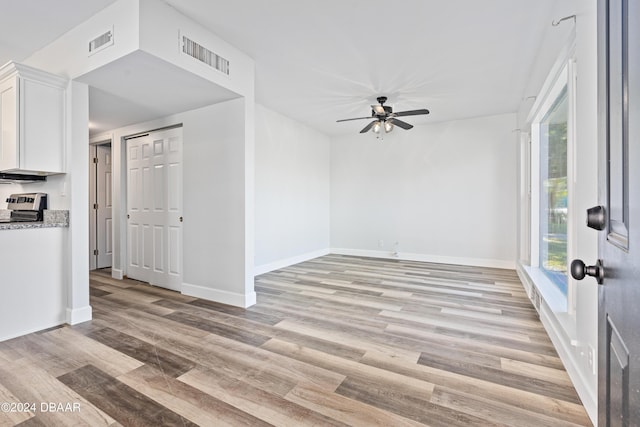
column 619, row 193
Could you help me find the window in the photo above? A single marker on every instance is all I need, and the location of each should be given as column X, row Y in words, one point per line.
column 551, row 145
column 553, row 191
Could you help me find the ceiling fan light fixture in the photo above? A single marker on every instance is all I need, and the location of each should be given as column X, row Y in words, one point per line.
column 383, row 116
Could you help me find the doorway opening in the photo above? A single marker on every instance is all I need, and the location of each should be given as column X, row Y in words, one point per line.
column 100, row 205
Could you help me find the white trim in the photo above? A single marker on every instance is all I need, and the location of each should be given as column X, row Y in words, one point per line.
column 103, row 138
column 32, row 330
column 440, row 259
column 534, row 201
column 561, row 330
column 79, row 315
column 573, row 220
column 286, row 262
column 567, row 53
column 216, row 295
column 117, row 274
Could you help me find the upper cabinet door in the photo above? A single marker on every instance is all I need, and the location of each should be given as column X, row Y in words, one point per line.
column 41, row 127
column 32, row 121
column 9, row 124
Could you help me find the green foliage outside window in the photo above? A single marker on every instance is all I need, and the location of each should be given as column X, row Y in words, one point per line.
column 553, row 202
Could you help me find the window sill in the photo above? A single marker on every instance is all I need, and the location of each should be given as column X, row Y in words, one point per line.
column 555, row 302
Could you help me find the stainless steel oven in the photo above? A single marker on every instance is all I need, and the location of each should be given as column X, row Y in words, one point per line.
column 26, row 207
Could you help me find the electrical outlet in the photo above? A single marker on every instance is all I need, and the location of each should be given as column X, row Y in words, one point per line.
column 395, row 250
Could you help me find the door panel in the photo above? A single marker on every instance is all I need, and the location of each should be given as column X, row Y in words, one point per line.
column 104, row 210
column 155, row 196
column 158, row 253
column 159, row 189
column 619, row 242
column 618, row 376
column 174, row 246
column 134, row 247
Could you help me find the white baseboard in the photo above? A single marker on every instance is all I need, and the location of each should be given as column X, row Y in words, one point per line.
column 217, row 295
column 79, row 315
column 39, row 328
column 117, row 274
column 406, row 256
column 566, row 346
column 577, row 375
column 282, row 263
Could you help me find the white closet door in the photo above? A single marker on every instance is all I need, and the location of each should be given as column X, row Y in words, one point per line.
column 154, row 198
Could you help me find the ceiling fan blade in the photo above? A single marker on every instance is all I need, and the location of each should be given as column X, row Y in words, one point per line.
column 378, row 109
column 403, row 125
column 411, row 113
column 369, row 126
column 357, row 118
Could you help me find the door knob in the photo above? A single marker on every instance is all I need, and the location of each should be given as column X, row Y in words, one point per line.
column 596, row 218
column 579, row 270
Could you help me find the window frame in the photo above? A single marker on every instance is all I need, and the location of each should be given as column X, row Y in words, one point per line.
column 563, row 73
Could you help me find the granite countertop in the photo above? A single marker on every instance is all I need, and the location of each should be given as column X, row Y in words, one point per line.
column 52, row 219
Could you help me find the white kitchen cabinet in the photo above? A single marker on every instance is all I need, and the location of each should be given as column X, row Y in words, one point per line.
column 32, row 120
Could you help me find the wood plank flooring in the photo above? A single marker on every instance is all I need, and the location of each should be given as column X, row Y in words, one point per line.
column 336, row 340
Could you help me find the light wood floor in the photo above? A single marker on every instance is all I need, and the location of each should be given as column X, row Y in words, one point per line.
column 333, row 341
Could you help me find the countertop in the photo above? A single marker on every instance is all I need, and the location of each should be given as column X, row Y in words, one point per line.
column 52, row 219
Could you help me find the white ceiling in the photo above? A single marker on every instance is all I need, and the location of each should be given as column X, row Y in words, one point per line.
column 319, row 61
column 141, row 87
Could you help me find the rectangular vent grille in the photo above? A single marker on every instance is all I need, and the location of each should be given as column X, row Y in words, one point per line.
column 101, row 42
column 535, row 298
column 204, row 55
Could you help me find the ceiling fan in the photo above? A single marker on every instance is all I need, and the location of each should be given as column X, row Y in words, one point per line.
column 385, row 118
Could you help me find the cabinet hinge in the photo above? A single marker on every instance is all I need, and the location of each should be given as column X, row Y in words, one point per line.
column 95, row 160
column 95, row 206
column 95, row 252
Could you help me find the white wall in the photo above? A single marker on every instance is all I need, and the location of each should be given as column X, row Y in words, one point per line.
column 218, row 238
column 444, row 192
column 292, row 177
column 76, row 191
column 574, row 333
column 218, row 198
column 218, row 153
column 34, row 294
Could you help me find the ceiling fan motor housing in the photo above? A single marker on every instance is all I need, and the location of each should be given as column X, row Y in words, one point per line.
column 387, row 110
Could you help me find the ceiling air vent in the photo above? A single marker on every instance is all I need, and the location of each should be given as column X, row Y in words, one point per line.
column 101, row 42
column 204, row 55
